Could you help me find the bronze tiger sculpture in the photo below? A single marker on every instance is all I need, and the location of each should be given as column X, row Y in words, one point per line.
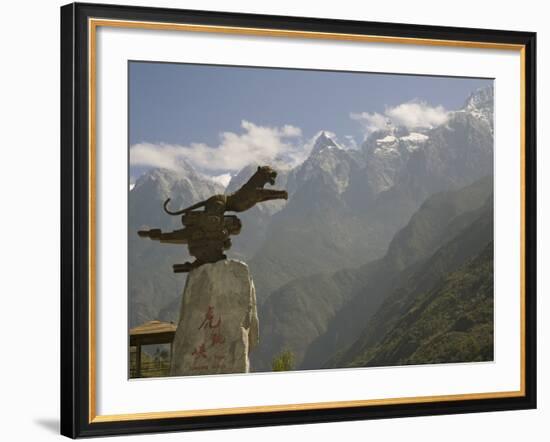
column 207, row 232
column 250, row 194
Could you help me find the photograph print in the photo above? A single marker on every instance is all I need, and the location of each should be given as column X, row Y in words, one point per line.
column 288, row 219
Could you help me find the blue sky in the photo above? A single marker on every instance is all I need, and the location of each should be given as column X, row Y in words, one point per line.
column 210, row 115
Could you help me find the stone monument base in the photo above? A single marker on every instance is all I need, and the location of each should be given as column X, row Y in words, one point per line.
column 218, row 324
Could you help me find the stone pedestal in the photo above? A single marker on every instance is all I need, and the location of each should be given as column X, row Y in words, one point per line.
column 218, row 323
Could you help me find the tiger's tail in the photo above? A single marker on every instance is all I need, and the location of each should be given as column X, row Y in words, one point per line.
column 179, row 212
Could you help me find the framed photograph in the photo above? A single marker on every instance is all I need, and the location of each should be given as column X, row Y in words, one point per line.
column 274, row 220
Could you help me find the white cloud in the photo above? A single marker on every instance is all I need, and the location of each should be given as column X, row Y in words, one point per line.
column 371, row 122
column 162, row 155
column 256, row 144
column 417, row 115
column 414, row 114
column 223, row 179
column 291, row 131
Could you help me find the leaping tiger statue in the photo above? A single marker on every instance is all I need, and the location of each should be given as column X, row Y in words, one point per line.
column 207, row 232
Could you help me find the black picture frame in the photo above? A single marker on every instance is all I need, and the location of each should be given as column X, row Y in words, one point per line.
column 76, row 418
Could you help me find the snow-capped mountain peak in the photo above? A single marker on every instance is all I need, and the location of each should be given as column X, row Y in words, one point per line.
column 480, row 105
column 165, row 183
column 322, row 142
column 328, row 160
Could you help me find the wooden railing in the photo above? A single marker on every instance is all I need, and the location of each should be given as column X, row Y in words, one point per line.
column 151, row 369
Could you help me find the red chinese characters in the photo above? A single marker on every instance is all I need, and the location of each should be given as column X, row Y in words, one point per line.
column 211, row 327
column 199, row 352
column 209, row 319
column 217, row 338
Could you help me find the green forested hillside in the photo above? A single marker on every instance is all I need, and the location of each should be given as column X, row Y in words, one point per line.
column 452, row 322
column 462, row 238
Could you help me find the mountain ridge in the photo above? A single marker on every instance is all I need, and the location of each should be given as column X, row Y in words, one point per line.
column 299, row 314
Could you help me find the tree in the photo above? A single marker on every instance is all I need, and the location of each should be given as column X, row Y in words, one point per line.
column 283, row 362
